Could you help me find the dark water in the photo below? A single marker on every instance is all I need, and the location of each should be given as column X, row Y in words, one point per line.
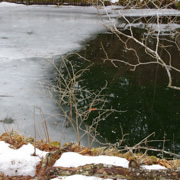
column 143, row 94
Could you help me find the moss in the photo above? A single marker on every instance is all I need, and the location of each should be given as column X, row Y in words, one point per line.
column 129, row 156
column 154, row 159
column 98, row 151
column 56, row 143
column 19, row 138
column 30, row 140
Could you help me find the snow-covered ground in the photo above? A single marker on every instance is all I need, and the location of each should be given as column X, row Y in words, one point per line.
column 22, row 162
column 71, row 159
column 19, row 162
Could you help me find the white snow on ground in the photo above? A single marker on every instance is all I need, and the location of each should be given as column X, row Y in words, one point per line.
column 79, row 177
column 20, row 161
column 16, row 162
column 72, row 159
column 114, row 1
column 153, row 167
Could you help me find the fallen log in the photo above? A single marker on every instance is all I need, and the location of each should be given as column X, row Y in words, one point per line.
column 113, row 172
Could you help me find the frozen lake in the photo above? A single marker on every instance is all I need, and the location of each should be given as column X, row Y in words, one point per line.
column 29, row 36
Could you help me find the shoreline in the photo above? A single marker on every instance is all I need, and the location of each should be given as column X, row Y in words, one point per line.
column 48, row 154
column 122, row 5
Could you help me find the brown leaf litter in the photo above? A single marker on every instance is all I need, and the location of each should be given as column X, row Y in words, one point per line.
column 45, row 169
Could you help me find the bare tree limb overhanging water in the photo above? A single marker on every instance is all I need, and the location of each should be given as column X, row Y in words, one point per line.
column 156, row 22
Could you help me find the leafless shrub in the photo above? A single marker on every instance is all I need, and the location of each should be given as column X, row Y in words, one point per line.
column 143, row 146
column 155, row 22
column 78, row 103
column 70, row 99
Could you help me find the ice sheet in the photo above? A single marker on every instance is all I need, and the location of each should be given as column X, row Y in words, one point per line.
column 146, row 12
column 29, row 35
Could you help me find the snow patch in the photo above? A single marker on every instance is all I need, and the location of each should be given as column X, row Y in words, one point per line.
column 72, row 159
column 114, row 1
column 154, row 167
column 19, row 162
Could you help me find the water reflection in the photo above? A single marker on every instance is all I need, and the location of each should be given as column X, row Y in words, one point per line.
column 143, row 94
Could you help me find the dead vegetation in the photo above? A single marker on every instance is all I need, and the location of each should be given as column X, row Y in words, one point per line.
column 45, row 169
column 112, row 172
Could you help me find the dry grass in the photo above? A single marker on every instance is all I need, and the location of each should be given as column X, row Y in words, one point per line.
column 17, row 140
column 3, row 177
